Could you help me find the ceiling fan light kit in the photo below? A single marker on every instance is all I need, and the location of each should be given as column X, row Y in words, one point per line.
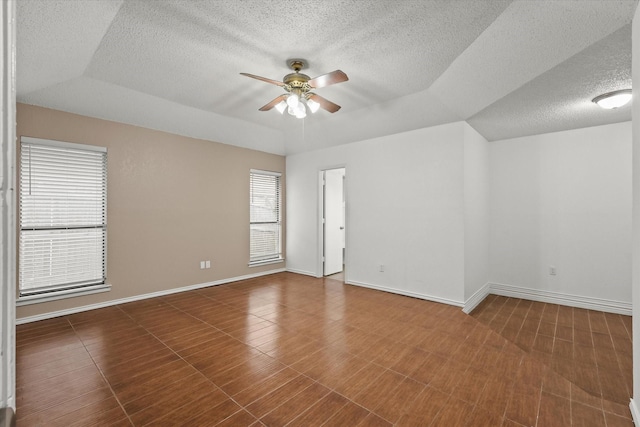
column 313, row 105
column 298, row 86
column 281, row 106
column 615, row 99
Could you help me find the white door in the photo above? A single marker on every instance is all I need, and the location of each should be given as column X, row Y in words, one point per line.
column 333, row 220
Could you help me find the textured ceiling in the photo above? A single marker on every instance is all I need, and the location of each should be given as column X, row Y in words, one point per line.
column 509, row 68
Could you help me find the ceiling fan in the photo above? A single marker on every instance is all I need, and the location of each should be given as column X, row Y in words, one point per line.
column 299, row 90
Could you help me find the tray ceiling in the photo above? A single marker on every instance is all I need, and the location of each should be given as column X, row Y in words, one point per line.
column 509, row 68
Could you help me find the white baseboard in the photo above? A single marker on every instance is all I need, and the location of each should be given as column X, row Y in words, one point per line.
column 477, row 298
column 635, row 414
column 304, row 273
column 407, row 293
column 590, row 303
column 74, row 310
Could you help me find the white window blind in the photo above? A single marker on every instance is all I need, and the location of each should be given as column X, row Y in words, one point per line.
column 265, row 226
column 63, row 216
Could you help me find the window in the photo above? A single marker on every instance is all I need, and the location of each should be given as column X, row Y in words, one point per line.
column 63, row 218
column 264, row 217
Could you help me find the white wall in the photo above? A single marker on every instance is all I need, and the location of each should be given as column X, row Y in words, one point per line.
column 563, row 199
column 476, row 211
column 636, row 217
column 302, row 209
column 405, row 207
column 448, row 213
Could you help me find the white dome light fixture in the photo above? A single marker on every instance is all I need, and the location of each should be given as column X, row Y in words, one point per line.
column 615, row 99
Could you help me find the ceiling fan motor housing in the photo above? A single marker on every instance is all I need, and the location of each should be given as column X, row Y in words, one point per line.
column 297, row 81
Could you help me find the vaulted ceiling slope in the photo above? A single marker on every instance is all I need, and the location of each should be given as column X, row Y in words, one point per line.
column 509, row 68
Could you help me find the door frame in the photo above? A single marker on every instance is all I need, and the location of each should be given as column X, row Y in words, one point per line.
column 8, row 211
column 320, row 216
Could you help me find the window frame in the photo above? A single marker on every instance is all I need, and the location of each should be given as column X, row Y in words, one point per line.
column 71, row 289
column 278, row 255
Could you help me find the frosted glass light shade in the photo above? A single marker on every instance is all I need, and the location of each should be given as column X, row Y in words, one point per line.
column 313, row 105
column 615, row 99
column 293, row 100
column 281, row 106
column 300, row 111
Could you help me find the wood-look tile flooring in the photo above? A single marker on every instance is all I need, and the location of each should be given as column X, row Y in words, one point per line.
column 590, row 348
column 290, row 350
column 337, row 276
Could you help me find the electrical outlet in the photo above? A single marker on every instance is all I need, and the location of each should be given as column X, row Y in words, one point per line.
column 207, row 264
column 381, row 268
column 552, row 271
column 202, row 265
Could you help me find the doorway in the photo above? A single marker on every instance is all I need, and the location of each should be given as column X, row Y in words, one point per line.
column 334, row 222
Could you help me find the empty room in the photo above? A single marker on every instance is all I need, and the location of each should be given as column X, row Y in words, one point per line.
column 320, row 213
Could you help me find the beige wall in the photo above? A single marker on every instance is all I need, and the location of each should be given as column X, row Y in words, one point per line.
column 172, row 202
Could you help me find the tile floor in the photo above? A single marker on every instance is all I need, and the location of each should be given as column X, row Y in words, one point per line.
column 292, row 350
column 590, row 348
column 338, row 276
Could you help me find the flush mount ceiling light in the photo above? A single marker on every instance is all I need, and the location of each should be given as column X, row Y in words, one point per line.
column 615, row 99
column 298, row 86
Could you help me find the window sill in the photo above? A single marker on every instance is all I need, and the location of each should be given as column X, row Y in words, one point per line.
column 56, row 295
column 265, row 262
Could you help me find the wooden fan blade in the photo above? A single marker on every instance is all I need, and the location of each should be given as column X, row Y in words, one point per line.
column 264, row 79
column 331, row 78
column 325, row 103
column 273, row 103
